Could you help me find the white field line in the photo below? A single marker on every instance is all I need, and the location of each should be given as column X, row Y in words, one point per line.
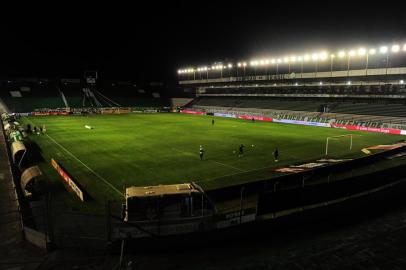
column 227, row 165
column 232, row 174
column 247, row 171
column 220, row 163
column 81, row 162
column 87, row 167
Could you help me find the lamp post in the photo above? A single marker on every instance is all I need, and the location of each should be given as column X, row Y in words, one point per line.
column 370, row 52
column 331, row 64
column 387, row 63
column 316, row 66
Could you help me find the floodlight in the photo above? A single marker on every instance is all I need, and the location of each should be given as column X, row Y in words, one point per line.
column 286, row 59
column 321, row 83
column 306, row 57
column 401, row 81
column 230, row 65
column 262, row 62
column 300, row 58
column 372, row 51
column 323, row 55
column 315, row 56
column 267, row 61
column 404, row 47
column 395, row 48
column 296, row 84
column 332, row 56
column 239, row 64
column 383, row 49
column 279, row 60
column 293, row 58
column 351, row 53
column 349, row 83
column 341, row 54
column 362, row 51
column 244, row 64
column 273, row 61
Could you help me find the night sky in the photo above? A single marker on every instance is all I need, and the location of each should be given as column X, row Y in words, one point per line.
column 150, row 42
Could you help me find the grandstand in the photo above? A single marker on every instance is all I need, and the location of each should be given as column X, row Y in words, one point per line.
column 26, row 95
column 34, row 94
column 361, row 85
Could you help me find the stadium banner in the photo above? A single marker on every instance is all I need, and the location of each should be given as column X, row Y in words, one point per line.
column 23, row 114
column 369, row 129
column 117, row 110
column 49, row 113
column 310, row 165
column 298, row 122
column 192, row 112
column 71, row 183
column 259, row 118
column 228, row 115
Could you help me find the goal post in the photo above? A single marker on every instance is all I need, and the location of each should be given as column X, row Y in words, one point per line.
column 338, row 137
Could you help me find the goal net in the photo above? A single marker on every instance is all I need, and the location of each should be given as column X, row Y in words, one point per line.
column 340, row 144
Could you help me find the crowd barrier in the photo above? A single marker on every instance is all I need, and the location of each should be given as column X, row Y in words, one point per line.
column 192, row 112
column 370, row 129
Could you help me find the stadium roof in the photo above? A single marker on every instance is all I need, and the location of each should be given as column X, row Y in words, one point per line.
column 354, row 53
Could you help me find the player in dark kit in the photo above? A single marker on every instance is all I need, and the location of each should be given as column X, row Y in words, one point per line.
column 276, row 154
column 241, row 150
column 212, row 122
column 201, row 152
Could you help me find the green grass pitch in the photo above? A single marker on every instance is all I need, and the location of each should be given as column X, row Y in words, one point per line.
column 151, row 149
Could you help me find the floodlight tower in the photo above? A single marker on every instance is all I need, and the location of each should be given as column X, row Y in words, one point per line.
column 90, row 87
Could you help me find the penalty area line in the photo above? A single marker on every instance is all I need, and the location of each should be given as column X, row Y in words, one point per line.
column 87, row 167
column 225, row 165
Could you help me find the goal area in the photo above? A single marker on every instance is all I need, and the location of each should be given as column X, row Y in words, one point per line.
column 341, row 142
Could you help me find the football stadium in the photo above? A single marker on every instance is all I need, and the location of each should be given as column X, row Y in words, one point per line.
column 239, row 143
column 110, row 166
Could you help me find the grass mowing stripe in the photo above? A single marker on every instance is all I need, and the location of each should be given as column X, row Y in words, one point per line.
column 87, row 167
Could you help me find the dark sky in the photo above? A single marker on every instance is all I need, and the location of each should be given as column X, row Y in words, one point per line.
column 151, row 41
